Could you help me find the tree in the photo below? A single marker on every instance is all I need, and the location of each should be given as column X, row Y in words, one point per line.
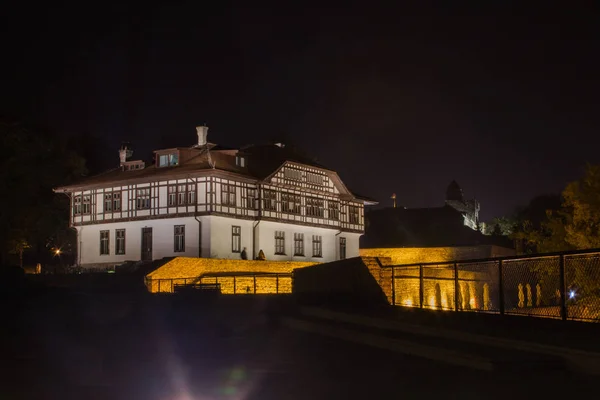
column 582, row 203
column 33, row 163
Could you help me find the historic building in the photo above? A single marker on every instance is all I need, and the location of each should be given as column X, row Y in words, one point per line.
column 469, row 209
column 209, row 201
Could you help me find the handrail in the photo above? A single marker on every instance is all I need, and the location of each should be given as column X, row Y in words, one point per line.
column 494, row 259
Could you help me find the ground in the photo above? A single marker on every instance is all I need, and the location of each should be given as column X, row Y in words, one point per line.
column 66, row 343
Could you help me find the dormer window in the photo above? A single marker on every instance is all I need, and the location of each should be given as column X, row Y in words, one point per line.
column 168, row 160
column 240, row 161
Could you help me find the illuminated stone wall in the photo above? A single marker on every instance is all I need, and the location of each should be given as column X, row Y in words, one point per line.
column 413, row 255
column 183, row 270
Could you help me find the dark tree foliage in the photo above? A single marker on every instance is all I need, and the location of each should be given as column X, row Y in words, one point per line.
column 34, row 219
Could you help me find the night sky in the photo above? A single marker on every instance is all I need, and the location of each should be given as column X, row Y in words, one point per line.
column 504, row 100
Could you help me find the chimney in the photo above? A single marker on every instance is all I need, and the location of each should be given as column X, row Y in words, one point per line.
column 202, row 132
column 124, row 153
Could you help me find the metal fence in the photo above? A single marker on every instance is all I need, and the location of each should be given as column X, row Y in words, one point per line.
column 238, row 283
column 559, row 285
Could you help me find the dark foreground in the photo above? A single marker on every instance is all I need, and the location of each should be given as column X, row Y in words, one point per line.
column 61, row 344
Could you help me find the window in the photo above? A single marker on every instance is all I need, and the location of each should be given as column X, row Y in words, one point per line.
column 293, row 174
column 270, row 200
column 240, row 161
column 104, row 243
column 354, row 213
column 86, row 204
column 314, row 179
column 181, row 195
column 334, row 209
column 227, row 194
column 112, row 202
column 290, row 203
column 298, row 244
column 236, row 239
column 142, row 200
column 251, row 199
column 77, row 205
column 172, row 197
column 314, row 207
column 168, row 160
column 280, row 242
column 191, row 193
column 342, row 248
column 179, row 242
column 120, row 241
column 317, row 246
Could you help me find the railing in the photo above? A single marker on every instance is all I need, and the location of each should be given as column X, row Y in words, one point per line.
column 559, row 285
column 235, row 283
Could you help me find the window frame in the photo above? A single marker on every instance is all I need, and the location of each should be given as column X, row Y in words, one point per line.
column 315, row 207
column 236, row 238
column 298, row 244
column 342, row 245
column 143, row 201
column 251, row 198
column 280, row 243
column 333, row 210
column 119, row 249
column 105, row 241
column 354, row 217
column 227, row 194
column 179, row 238
column 317, row 245
column 270, row 199
column 291, row 203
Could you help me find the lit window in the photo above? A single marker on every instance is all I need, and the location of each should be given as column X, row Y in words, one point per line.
column 317, row 242
column 120, row 241
column 227, row 194
column 298, row 244
column 240, row 161
column 181, row 195
column 314, row 207
column 280, row 242
column 86, row 204
column 270, row 199
column 353, row 214
column 290, row 203
column 168, row 160
column 179, row 240
column 112, row 202
column 77, row 205
column 191, row 194
column 236, row 239
column 251, row 199
column 334, row 209
column 142, row 201
column 104, row 243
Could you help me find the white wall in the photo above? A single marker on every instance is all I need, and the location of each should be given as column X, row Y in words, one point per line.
column 162, row 239
column 221, row 237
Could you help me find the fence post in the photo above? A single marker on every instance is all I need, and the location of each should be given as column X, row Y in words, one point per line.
column 254, row 283
column 393, row 286
column 277, row 283
column 159, row 285
column 456, row 288
column 421, row 286
column 500, row 288
column 562, row 288
column 234, row 284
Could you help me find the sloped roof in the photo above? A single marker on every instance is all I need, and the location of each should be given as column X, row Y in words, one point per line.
column 420, row 227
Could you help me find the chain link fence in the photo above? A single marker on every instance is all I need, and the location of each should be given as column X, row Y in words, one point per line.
column 562, row 286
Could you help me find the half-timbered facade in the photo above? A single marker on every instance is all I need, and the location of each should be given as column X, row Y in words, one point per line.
column 206, row 201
